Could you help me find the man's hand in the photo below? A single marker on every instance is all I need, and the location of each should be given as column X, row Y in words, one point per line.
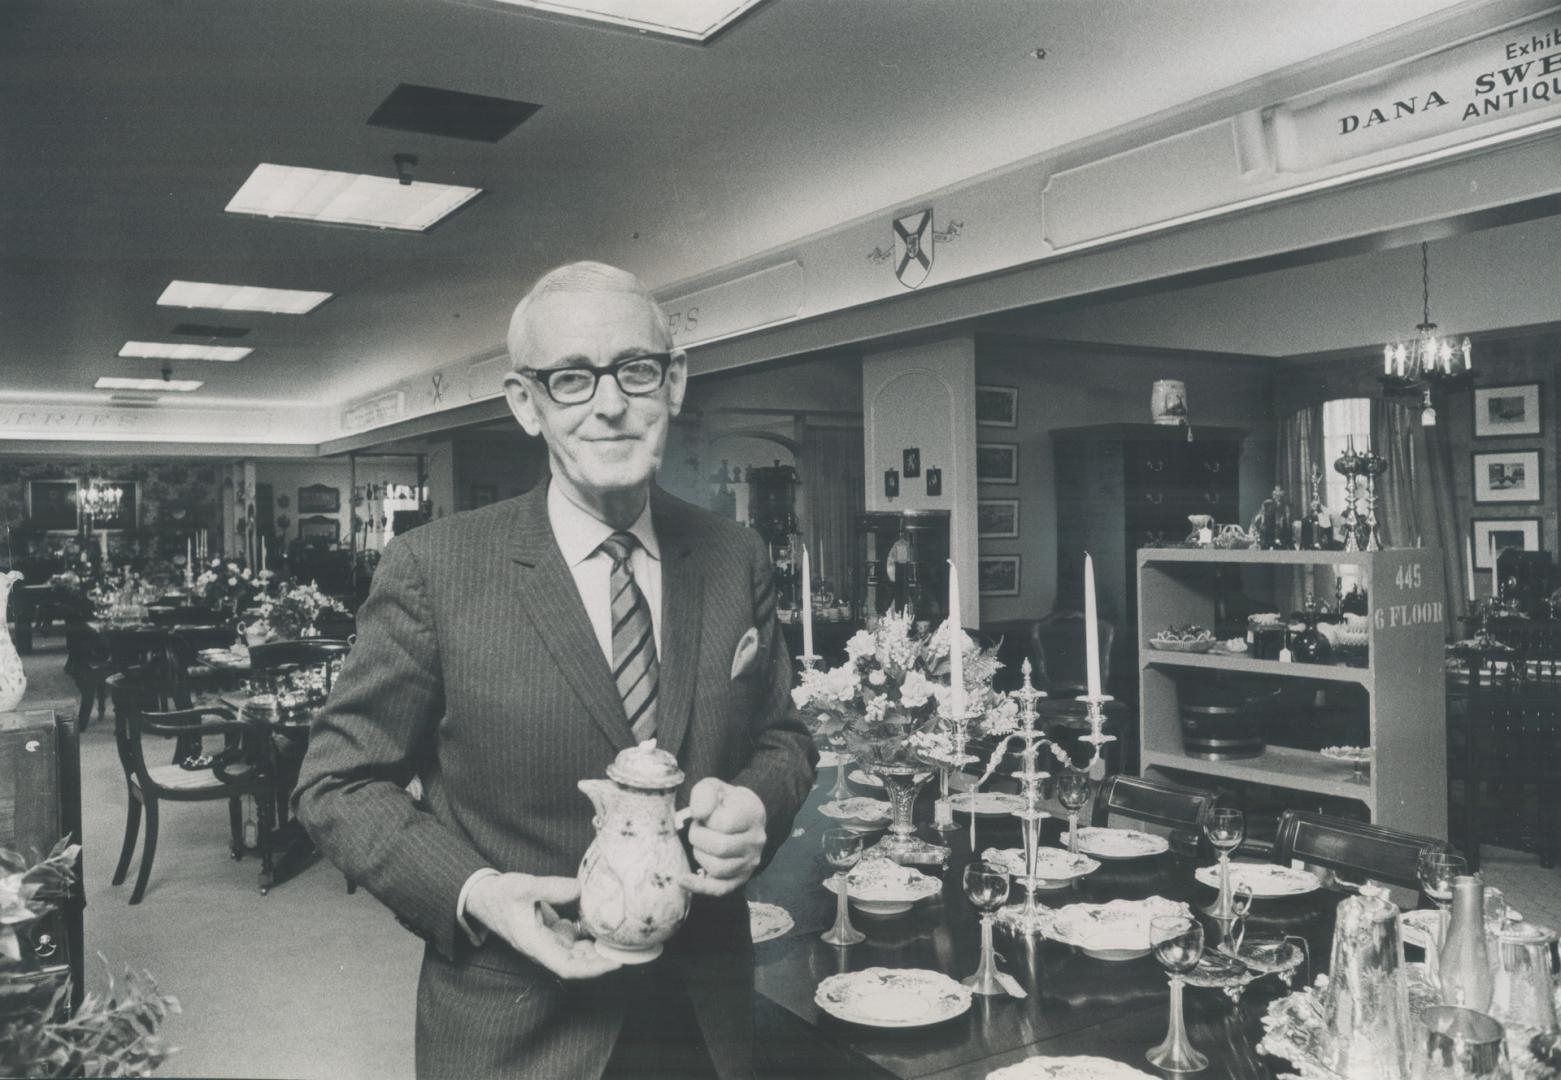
column 519, row 908
column 727, row 836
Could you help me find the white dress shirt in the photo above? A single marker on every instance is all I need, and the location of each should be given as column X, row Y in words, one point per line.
column 579, row 534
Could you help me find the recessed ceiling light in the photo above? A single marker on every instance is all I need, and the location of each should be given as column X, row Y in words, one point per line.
column 205, row 294
column 343, row 198
column 114, row 382
column 690, row 20
column 160, row 350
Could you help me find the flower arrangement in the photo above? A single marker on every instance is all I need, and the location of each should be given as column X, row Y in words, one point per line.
column 292, row 613
column 112, row 1034
column 886, row 701
column 230, row 584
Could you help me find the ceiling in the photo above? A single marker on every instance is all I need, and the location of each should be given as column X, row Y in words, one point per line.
column 128, row 127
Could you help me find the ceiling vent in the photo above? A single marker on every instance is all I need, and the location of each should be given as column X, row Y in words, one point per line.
column 201, row 330
column 427, row 110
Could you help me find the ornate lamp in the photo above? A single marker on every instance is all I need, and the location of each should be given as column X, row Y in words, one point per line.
column 1428, row 359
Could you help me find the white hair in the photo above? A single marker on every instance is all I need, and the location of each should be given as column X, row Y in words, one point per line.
column 586, row 277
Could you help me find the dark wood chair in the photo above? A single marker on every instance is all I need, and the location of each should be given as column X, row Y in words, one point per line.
column 1057, row 653
column 277, row 658
column 89, row 662
column 1506, row 751
column 1154, row 806
column 138, row 696
column 1354, row 851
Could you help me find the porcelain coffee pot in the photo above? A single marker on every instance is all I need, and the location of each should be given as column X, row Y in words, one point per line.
column 632, row 897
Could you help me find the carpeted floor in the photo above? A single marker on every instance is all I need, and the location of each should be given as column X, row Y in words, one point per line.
column 305, row 982
column 309, row 982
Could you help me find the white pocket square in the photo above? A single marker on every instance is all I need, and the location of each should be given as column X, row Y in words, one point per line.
column 747, row 652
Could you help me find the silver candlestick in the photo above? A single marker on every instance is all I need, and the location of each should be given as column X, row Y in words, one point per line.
column 1026, row 917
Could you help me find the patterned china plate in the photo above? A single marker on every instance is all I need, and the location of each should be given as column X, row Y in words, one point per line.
column 829, row 759
column 1054, row 867
column 1352, row 754
column 892, row 997
column 884, row 887
column 767, row 921
column 1104, row 843
column 1066, row 1068
column 1118, row 930
column 1264, row 879
column 856, row 808
column 857, row 776
column 986, row 802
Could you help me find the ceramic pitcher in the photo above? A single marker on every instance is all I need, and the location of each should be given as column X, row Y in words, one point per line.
column 632, row 897
column 13, row 681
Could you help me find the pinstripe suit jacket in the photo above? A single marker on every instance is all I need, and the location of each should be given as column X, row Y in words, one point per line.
column 476, row 669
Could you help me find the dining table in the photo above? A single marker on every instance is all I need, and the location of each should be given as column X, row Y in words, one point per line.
column 279, row 742
column 1074, row 1005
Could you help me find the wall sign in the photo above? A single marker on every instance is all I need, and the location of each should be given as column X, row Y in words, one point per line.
column 743, row 303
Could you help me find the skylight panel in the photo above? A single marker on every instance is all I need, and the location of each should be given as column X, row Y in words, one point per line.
column 163, row 350
column 342, row 198
column 115, row 382
column 689, row 20
column 205, row 294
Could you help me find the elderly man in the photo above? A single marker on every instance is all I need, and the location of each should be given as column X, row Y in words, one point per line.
column 505, row 654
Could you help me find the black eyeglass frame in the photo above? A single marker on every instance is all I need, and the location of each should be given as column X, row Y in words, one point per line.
column 544, row 376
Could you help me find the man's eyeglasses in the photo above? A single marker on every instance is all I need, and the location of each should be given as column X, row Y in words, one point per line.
column 636, row 376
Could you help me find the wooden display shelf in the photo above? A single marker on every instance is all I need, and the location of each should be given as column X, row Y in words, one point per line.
column 1226, row 662
column 1277, row 766
column 1406, row 785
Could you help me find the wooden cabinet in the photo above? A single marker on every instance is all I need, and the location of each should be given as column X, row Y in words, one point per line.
column 1121, row 486
column 1406, row 784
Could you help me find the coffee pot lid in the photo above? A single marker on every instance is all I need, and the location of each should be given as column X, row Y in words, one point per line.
column 645, row 766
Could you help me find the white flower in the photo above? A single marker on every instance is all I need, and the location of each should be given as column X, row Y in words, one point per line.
column 232, row 567
column 916, row 689
column 860, row 645
column 244, row 573
column 233, row 581
column 876, row 677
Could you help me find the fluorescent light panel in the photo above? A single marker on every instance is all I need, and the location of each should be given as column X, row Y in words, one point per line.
column 692, row 20
column 114, row 382
column 206, row 294
column 162, row 350
column 342, row 198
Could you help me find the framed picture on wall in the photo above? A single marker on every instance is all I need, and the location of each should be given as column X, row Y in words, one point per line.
column 319, row 527
column 319, row 499
column 997, row 462
column 1506, row 410
column 52, row 506
column 997, row 406
column 998, row 574
column 1500, row 534
column 997, row 519
column 1507, row 476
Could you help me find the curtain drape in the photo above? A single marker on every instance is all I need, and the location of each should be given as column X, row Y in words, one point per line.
column 1436, row 514
column 1300, row 447
column 834, row 490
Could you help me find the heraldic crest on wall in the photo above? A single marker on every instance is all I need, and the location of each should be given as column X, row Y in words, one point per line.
column 913, row 246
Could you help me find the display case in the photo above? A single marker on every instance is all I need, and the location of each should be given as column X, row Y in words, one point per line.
column 1394, row 702
column 901, row 561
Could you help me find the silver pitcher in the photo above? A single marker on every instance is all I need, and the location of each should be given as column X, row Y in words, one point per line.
column 1524, row 988
column 1367, row 1004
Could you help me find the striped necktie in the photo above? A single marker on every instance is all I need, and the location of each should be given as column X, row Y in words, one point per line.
column 634, row 666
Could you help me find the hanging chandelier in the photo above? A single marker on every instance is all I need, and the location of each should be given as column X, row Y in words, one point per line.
column 1428, row 359
column 101, row 500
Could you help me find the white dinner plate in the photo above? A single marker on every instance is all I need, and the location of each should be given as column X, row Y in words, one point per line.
column 1117, row 930
column 884, row 887
column 857, row 776
column 1067, row 1068
column 1054, row 867
column 1264, row 879
column 1104, row 843
column 856, row 808
column 986, row 802
column 767, row 921
column 892, row 997
column 829, row 759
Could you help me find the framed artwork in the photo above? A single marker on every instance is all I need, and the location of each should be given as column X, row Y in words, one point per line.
column 52, row 506
column 997, row 462
column 934, row 481
column 318, row 499
column 891, row 483
column 912, row 463
column 319, row 527
column 997, row 519
column 997, row 406
column 1506, row 410
column 484, row 494
column 1521, row 534
column 126, row 514
column 998, row 574
column 1507, row 476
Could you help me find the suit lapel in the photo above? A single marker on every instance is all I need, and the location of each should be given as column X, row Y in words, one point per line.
column 682, row 604
column 547, row 594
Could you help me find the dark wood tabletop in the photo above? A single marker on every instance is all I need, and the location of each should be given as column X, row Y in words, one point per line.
column 1076, row 1004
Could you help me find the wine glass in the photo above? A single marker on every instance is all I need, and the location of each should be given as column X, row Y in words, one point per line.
column 1436, row 869
column 986, row 886
column 1226, row 828
column 1178, row 945
column 842, row 850
column 1073, row 793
